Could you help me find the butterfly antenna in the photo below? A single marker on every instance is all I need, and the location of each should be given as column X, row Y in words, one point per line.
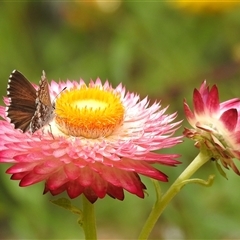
column 58, row 95
column 60, row 92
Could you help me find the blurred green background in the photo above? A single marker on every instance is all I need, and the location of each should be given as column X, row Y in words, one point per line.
column 163, row 50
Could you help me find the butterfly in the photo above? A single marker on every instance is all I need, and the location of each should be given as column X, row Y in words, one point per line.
column 29, row 109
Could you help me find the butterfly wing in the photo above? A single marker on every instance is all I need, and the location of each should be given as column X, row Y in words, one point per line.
column 44, row 109
column 22, row 96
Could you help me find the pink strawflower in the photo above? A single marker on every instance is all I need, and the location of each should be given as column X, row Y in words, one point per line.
column 99, row 142
column 216, row 126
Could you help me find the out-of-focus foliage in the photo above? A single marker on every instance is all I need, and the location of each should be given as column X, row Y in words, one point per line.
column 157, row 49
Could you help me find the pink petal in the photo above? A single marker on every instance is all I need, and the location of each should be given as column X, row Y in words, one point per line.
column 198, row 102
column 204, row 90
column 115, row 192
column 56, row 180
column 2, row 111
column 90, row 195
column 108, row 174
column 18, row 176
column 213, row 100
column 21, row 167
column 132, row 183
column 99, row 186
column 30, row 179
column 85, row 177
column 72, row 171
column 189, row 114
column 230, row 119
column 232, row 103
column 8, row 155
column 236, row 136
column 48, row 167
column 55, row 191
column 74, row 189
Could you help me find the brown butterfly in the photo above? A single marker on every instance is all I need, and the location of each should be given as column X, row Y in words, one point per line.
column 29, row 109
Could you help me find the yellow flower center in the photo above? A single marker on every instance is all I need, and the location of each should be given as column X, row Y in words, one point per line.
column 90, row 112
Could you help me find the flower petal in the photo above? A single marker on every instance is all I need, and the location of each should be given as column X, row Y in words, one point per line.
column 213, row 100
column 230, row 119
column 198, row 102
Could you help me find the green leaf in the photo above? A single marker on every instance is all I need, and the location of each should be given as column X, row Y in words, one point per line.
column 66, row 203
column 219, row 168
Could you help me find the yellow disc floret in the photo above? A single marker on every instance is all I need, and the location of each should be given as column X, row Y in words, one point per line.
column 89, row 112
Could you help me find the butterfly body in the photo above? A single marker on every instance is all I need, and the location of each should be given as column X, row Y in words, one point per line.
column 29, row 109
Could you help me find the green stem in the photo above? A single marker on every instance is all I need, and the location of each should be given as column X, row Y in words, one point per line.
column 88, row 221
column 160, row 205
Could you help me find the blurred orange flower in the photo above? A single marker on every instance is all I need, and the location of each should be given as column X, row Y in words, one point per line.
column 203, row 6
